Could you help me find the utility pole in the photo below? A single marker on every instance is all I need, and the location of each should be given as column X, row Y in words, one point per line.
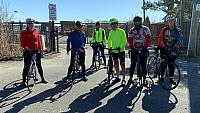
column 181, row 18
column 144, row 11
column 192, row 45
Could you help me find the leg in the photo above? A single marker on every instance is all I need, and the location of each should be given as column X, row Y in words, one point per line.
column 71, row 64
column 102, row 53
column 134, row 54
column 116, row 64
column 143, row 62
column 94, row 54
column 82, row 63
column 39, row 65
column 122, row 63
column 27, row 63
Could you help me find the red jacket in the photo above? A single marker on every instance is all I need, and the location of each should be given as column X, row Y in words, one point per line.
column 30, row 39
column 160, row 38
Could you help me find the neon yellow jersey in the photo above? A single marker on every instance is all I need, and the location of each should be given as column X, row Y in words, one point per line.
column 99, row 36
column 117, row 39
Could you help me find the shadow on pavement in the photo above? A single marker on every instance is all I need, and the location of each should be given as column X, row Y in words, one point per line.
column 12, row 93
column 158, row 100
column 122, row 102
column 90, row 100
column 52, row 95
column 190, row 69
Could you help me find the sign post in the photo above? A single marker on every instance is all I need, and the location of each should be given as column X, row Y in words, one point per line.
column 52, row 17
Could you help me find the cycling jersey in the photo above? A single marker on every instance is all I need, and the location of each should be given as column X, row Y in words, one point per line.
column 99, row 36
column 30, row 39
column 139, row 39
column 170, row 37
column 117, row 39
column 77, row 40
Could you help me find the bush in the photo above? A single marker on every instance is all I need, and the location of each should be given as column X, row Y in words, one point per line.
column 8, row 46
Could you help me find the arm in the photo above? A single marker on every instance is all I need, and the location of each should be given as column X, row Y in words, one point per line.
column 124, row 40
column 147, row 38
column 104, row 41
column 160, row 39
column 109, row 41
column 84, row 39
column 179, row 43
column 130, row 39
column 39, row 41
column 22, row 40
column 93, row 37
column 69, row 41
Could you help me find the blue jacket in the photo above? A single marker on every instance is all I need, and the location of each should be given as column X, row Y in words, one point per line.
column 76, row 39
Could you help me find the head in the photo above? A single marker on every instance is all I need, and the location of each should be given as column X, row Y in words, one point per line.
column 137, row 21
column 97, row 25
column 78, row 25
column 114, row 23
column 170, row 21
column 30, row 23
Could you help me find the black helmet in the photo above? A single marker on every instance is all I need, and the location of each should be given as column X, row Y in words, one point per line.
column 78, row 23
column 137, row 19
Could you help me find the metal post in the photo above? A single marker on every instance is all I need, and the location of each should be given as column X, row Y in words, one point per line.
column 192, row 45
column 144, row 11
column 53, row 37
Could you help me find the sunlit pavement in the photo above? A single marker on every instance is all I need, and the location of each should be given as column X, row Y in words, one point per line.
column 92, row 96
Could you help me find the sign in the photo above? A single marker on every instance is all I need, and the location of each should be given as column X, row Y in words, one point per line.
column 52, row 11
column 198, row 7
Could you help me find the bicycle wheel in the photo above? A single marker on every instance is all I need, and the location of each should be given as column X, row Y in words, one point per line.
column 166, row 83
column 31, row 78
column 151, row 67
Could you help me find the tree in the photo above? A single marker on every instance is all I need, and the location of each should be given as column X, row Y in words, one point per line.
column 147, row 21
column 171, row 7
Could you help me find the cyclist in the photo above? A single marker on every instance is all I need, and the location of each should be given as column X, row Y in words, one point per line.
column 170, row 37
column 30, row 40
column 98, row 35
column 139, row 40
column 77, row 40
column 117, row 40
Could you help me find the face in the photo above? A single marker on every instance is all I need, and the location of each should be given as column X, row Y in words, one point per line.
column 30, row 25
column 114, row 26
column 137, row 22
column 97, row 26
column 79, row 27
column 170, row 23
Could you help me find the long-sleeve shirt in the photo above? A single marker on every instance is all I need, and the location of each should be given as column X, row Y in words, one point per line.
column 76, row 39
column 170, row 37
column 139, row 38
column 117, row 39
column 30, row 39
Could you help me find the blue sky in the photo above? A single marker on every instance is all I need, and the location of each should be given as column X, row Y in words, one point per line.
column 68, row 10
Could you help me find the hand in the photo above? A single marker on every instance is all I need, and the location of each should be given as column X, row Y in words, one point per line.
column 68, row 51
column 177, row 46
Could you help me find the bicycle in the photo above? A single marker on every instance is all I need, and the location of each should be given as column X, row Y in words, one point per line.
column 153, row 64
column 98, row 55
column 110, row 66
column 31, row 77
column 165, row 82
column 76, row 68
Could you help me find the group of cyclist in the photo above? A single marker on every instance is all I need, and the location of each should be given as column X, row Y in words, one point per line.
column 138, row 41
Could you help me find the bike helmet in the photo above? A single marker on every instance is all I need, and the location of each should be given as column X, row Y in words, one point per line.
column 30, row 20
column 137, row 19
column 97, row 23
column 113, row 20
column 170, row 17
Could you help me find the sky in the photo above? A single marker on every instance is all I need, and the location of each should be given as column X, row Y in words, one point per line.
column 73, row 10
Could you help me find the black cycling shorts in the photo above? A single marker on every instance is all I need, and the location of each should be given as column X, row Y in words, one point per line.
column 120, row 56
